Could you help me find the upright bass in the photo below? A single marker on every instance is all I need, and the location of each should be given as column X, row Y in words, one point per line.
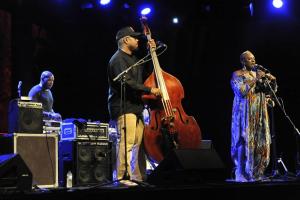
column 169, row 126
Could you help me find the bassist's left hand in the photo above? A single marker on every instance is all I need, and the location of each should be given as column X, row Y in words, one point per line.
column 156, row 92
column 152, row 44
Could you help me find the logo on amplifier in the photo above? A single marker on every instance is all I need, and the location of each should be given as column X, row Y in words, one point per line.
column 28, row 104
column 68, row 131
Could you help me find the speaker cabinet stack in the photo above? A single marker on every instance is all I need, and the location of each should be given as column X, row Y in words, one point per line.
column 88, row 160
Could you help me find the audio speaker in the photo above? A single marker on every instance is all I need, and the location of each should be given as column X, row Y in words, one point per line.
column 89, row 161
column 25, row 117
column 14, row 173
column 188, row 166
column 39, row 152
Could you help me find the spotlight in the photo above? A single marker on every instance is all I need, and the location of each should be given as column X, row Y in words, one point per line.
column 146, row 11
column 251, row 8
column 126, row 5
column 104, row 2
column 277, row 3
column 175, row 20
column 87, row 6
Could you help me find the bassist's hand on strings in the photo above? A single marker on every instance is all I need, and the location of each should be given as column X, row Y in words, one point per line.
column 156, row 92
column 151, row 44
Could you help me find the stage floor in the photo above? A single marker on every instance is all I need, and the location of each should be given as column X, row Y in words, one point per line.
column 277, row 188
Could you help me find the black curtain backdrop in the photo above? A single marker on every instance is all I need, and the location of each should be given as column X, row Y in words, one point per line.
column 203, row 51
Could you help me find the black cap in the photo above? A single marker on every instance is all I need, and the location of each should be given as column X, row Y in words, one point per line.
column 127, row 31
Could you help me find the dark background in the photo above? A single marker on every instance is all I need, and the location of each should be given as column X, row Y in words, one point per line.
column 76, row 43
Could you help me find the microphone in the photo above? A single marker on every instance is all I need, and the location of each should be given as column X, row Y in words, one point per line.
column 262, row 68
column 19, row 88
column 19, row 85
column 160, row 45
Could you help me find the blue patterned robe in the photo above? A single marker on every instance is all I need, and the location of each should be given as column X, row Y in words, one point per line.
column 250, row 142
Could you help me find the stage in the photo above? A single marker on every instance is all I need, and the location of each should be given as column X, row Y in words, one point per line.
column 75, row 39
column 276, row 188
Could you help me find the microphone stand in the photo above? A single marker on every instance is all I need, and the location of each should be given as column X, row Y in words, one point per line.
column 279, row 160
column 275, row 171
column 19, row 89
column 122, row 79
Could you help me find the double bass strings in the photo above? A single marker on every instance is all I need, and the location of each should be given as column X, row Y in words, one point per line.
column 161, row 84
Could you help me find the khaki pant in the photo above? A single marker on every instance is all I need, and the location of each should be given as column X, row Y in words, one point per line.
column 136, row 163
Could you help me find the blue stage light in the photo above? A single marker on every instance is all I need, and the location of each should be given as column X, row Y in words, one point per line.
column 277, row 3
column 126, row 5
column 146, row 11
column 104, row 2
column 87, row 6
column 175, row 20
column 251, row 8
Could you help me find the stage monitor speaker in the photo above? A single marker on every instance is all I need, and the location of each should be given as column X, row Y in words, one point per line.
column 39, row 152
column 188, row 166
column 25, row 117
column 14, row 173
column 89, row 161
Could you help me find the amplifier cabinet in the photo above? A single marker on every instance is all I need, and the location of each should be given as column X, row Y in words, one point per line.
column 89, row 161
column 25, row 117
column 39, row 152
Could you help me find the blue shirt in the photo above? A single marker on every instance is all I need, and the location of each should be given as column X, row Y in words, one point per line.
column 39, row 94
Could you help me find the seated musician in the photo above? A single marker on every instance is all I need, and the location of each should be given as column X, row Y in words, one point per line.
column 42, row 93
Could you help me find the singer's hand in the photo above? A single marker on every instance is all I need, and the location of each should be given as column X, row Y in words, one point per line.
column 152, row 44
column 270, row 77
column 270, row 101
column 156, row 92
column 260, row 74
